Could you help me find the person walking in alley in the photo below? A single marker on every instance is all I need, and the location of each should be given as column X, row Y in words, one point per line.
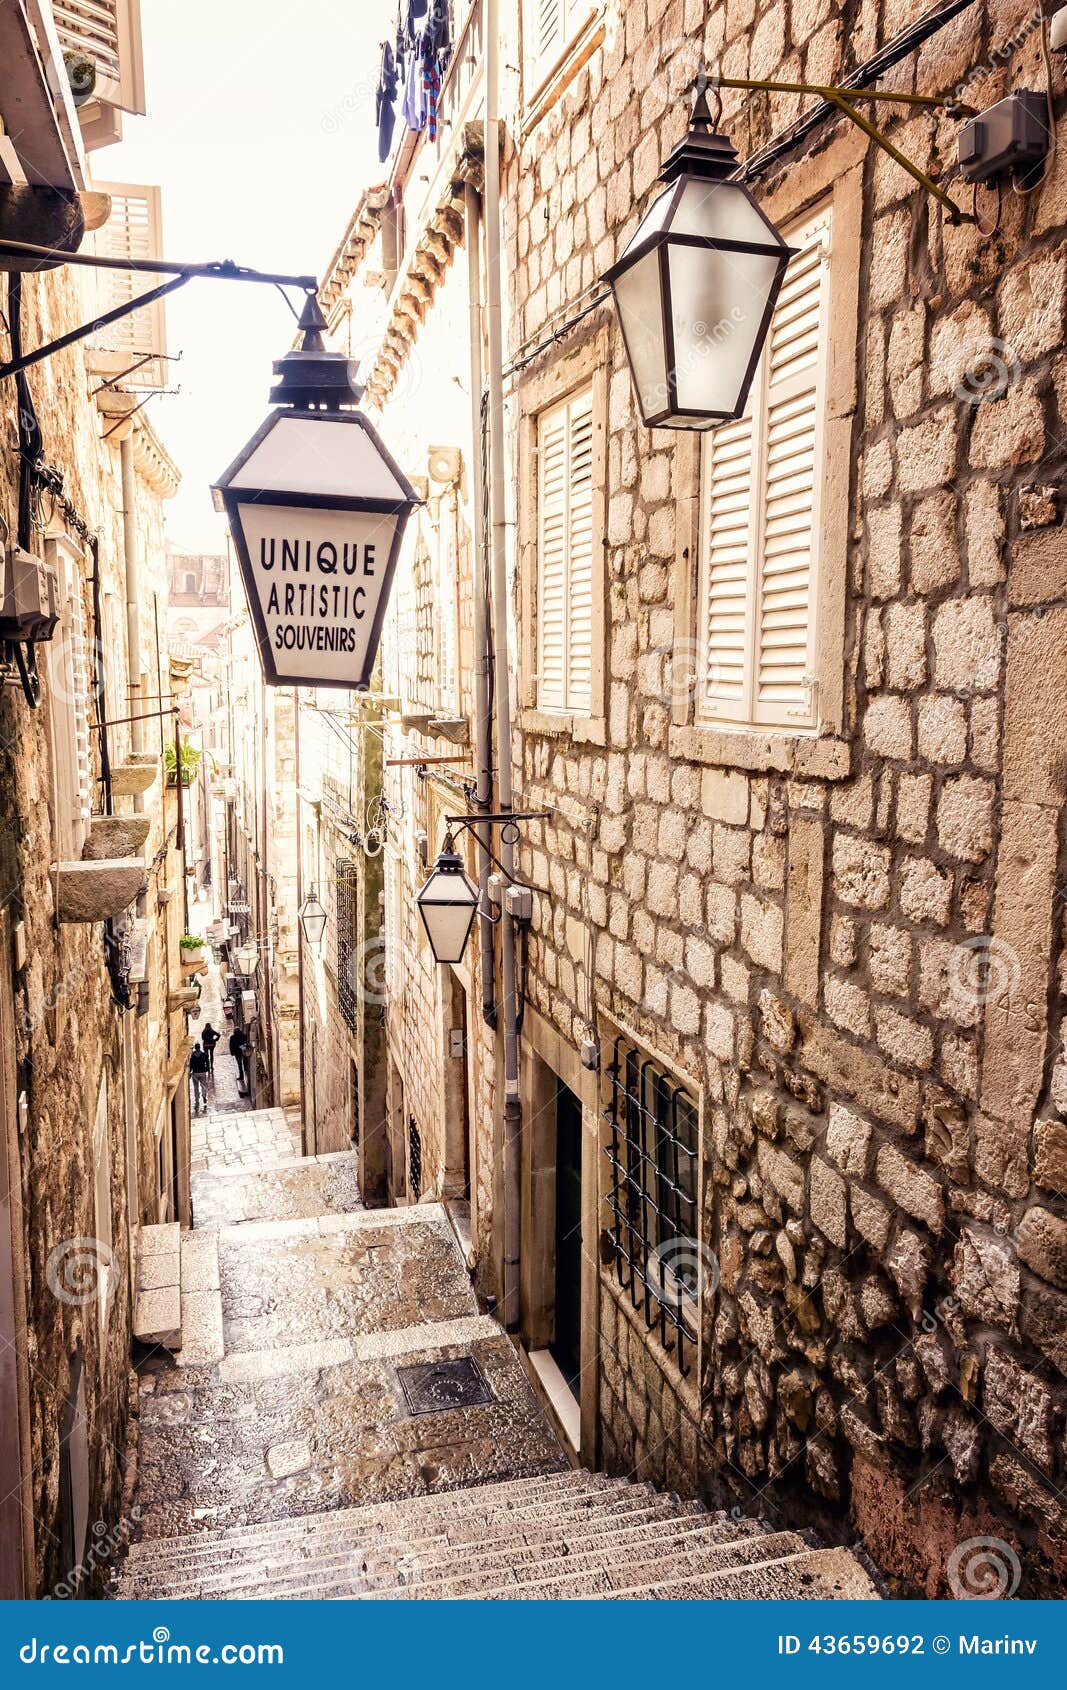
column 198, row 1071
column 209, row 1039
column 239, row 1052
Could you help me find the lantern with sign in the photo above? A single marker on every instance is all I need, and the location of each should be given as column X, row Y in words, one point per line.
column 317, row 509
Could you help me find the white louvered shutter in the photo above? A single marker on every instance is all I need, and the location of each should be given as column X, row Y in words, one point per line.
column 761, row 516
column 795, row 360
column 565, row 463
column 580, row 553
column 133, row 230
column 109, row 33
column 549, row 19
column 728, row 573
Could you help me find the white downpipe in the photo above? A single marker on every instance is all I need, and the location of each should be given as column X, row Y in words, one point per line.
column 498, row 532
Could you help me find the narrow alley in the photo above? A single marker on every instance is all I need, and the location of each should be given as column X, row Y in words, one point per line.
column 337, row 1385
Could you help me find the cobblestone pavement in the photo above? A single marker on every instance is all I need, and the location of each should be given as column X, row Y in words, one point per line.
column 256, row 1139
column 301, row 1313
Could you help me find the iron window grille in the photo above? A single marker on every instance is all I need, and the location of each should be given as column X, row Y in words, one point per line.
column 345, row 879
column 653, row 1154
column 414, row 1160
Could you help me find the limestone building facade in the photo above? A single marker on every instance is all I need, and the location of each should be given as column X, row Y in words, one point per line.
column 94, row 1000
column 791, row 1219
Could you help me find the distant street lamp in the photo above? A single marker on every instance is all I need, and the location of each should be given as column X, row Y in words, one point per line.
column 312, row 918
column 448, row 903
column 317, row 509
column 247, row 956
column 696, row 286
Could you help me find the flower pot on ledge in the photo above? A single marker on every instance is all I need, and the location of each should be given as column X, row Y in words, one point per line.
column 97, row 889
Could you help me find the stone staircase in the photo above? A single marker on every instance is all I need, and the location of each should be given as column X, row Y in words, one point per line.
column 313, row 1437
column 558, row 1537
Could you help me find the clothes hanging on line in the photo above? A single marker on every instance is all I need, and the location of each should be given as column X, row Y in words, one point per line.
column 385, row 103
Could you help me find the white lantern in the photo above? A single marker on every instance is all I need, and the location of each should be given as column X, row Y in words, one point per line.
column 696, row 286
column 317, row 509
column 448, row 903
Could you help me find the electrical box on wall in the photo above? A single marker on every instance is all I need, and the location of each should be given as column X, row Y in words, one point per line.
column 1011, row 138
column 29, row 601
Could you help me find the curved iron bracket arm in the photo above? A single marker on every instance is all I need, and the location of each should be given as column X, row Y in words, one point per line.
column 502, row 819
column 222, row 270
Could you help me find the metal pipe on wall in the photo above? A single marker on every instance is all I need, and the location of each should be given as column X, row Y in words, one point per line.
column 131, row 564
column 498, row 512
column 483, row 730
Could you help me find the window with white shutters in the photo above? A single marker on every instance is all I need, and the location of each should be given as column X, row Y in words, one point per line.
column 68, row 671
column 133, row 230
column 565, row 461
column 553, row 25
column 109, row 33
column 760, row 518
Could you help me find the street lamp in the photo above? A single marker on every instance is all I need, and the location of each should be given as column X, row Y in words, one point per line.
column 247, row 957
column 317, row 509
column 312, row 918
column 448, row 903
column 696, row 286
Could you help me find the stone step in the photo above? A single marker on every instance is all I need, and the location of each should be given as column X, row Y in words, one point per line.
column 451, row 1505
column 438, row 1558
column 679, row 1548
column 331, row 1530
column 826, row 1575
column 658, row 1542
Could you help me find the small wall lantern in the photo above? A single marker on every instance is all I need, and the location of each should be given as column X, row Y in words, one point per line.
column 448, row 903
column 312, row 918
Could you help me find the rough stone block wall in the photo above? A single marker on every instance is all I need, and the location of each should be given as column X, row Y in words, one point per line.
column 863, row 975
column 67, row 1030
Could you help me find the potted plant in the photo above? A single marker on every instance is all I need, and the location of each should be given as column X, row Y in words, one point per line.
column 191, row 757
column 191, row 946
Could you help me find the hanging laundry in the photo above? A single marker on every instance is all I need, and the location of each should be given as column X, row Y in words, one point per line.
column 416, row 10
column 415, row 102
column 385, row 104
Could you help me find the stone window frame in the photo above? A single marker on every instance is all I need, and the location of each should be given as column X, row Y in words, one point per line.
column 836, row 177
column 586, row 364
column 686, row 1388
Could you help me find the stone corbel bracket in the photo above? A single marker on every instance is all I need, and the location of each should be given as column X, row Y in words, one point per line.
column 97, row 889
column 129, row 780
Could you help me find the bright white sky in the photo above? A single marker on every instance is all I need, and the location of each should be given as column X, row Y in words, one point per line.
column 261, row 131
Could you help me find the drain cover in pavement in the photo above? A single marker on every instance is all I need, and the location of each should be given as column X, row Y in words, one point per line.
column 431, row 1387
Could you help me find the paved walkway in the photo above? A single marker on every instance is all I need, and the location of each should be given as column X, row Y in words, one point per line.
column 310, row 1375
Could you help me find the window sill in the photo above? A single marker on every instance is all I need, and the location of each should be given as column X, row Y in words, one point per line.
column 549, row 82
column 582, row 730
column 815, row 758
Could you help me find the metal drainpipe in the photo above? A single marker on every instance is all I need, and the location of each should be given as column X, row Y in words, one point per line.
column 498, row 513
column 133, row 610
column 483, row 730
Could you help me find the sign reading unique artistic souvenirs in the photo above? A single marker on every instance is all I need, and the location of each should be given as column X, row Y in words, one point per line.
column 317, row 509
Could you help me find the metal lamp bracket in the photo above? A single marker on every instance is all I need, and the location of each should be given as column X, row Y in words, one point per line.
column 842, row 98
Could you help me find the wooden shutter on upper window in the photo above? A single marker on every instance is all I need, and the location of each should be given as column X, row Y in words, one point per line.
column 565, row 554
column 761, row 515
column 109, row 33
column 549, row 17
column 133, row 230
column 795, row 360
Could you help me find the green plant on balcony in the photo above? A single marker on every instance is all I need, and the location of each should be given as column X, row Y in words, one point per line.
column 191, row 758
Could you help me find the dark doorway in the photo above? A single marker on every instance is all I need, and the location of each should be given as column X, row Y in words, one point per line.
column 353, row 1086
column 73, row 1519
column 566, row 1340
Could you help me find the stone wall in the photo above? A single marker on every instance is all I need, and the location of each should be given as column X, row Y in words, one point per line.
column 69, row 1034
column 851, row 951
